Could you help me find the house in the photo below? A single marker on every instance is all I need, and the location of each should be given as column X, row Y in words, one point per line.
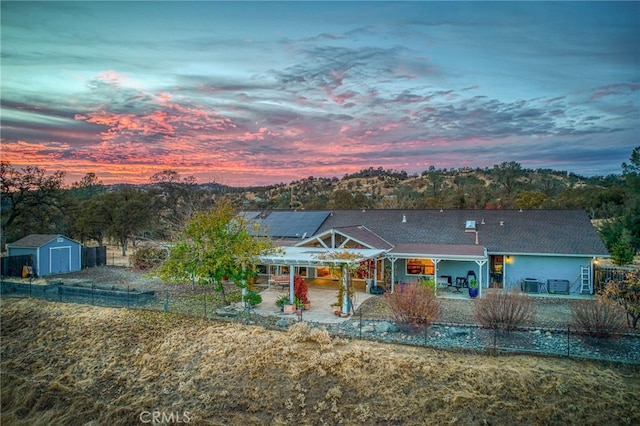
column 50, row 253
column 532, row 250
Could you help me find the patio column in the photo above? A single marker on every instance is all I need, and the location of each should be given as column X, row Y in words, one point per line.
column 393, row 273
column 345, row 288
column 291, row 279
column 480, row 263
column 435, row 275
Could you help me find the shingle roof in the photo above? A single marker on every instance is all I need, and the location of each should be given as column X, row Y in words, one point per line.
column 35, row 240
column 366, row 236
column 559, row 232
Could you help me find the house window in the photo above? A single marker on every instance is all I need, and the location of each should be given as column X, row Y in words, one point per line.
column 420, row 267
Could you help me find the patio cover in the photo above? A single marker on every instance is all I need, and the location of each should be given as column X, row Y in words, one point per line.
column 439, row 251
column 313, row 256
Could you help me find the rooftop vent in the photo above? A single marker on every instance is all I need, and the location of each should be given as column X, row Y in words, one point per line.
column 470, row 226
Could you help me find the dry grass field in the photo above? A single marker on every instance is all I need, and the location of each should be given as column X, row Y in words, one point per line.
column 66, row 364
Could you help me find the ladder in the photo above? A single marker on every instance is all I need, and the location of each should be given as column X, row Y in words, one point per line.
column 585, row 280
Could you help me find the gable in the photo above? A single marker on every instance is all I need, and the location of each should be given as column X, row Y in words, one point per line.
column 357, row 237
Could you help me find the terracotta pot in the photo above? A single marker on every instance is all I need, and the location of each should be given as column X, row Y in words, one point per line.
column 307, row 306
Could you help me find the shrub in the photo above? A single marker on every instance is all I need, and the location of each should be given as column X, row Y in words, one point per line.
column 146, row 257
column 300, row 289
column 413, row 304
column 626, row 293
column 253, row 298
column 598, row 318
column 504, row 310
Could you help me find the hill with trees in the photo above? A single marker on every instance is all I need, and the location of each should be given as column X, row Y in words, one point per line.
column 37, row 201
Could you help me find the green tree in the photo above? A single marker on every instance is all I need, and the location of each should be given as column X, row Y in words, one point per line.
column 126, row 214
column 214, row 244
column 32, row 201
column 176, row 199
column 529, row 200
column 507, row 175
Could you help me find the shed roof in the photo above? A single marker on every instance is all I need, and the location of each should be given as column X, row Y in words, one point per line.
column 37, row 240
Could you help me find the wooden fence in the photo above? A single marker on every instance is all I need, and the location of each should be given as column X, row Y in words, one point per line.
column 94, row 256
column 11, row 266
column 604, row 274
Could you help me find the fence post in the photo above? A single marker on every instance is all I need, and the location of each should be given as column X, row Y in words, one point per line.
column 568, row 342
column 128, row 301
column 165, row 307
column 93, row 287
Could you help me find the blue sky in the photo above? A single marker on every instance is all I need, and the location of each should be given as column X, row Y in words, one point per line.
column 249, row 93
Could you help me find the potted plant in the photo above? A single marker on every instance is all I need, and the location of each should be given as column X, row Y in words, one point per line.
column 473, row 288
column 282, row 301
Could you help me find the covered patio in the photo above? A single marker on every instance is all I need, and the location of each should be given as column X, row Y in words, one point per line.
column 343, row 259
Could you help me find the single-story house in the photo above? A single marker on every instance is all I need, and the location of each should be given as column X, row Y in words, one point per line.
column 533, row 250
column 50, row 253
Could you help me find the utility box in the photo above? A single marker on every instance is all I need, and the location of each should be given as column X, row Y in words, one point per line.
column 530, row 285
column 558, row 286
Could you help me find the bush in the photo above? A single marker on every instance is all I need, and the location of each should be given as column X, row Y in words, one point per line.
column 146, row 258
column 504, row 310
column 413, row 304
column 253, row 298
column 300, row 289
column 626, row 293
column 597, row 318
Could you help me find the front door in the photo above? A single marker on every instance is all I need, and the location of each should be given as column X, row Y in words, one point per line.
column 496, row 271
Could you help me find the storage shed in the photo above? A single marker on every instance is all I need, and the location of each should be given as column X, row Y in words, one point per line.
column 51, row 253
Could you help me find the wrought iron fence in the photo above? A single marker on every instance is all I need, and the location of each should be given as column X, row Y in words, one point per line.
column 560, row 342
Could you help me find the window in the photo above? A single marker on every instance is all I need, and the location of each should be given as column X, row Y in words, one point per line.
column 420, row 267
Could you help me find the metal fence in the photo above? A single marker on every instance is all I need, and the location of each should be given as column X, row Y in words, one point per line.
column 205, row 303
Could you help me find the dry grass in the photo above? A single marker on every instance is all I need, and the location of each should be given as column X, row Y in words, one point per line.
column 65, row 364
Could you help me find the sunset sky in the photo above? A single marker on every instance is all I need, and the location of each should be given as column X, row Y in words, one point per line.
column 252, row 93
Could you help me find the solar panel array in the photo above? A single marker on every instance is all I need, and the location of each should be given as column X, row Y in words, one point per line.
column 287, row 223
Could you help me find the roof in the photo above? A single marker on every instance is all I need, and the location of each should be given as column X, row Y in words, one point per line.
column 37, row 240
column 286, row 223
column 359, row 234
column 544, row 232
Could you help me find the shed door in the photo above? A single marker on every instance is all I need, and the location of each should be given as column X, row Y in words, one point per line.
column 60, row 260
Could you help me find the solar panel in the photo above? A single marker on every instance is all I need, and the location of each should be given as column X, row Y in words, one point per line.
column 290, row 224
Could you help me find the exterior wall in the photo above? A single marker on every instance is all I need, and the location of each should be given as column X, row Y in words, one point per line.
column 543, row 268
column 55, row 257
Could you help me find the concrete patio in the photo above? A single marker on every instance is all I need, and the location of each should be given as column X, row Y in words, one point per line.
column 321, row 301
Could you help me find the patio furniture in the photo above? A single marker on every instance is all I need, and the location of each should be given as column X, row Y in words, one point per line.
column 460, row 283
column 281, row 280
column 558, row 286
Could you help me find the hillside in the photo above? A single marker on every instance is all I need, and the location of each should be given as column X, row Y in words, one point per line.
column 504, row 186
column 76, row 364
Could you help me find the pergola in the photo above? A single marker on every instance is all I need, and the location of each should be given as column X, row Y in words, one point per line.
column 342, row 258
